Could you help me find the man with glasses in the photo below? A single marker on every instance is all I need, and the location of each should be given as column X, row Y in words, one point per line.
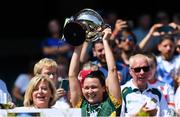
column 139, row 98
column 100, row 60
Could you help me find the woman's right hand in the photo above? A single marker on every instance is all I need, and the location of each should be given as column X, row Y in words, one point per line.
column 153, row 31
column 60, row 92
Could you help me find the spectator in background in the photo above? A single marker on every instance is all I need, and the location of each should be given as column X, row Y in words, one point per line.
column 47, row 66
column 152, row 38
column 118, row 27
column 142, row 29
column 125, row 41
column 149, row 100
column 167, row 90
column 101, row 62
column 165, row 57
column 21, row 84
column 63, row 66
column 126, row 44
column 5, row 97
column 53, row 45
column 40, row 93
column 166, row 48
column 162, row 17
column 177, row 37
column 176, row 99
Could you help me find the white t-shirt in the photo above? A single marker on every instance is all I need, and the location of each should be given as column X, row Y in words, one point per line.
column 166, row 70
column 134, row 99
column 167, row 90
column 4, row 94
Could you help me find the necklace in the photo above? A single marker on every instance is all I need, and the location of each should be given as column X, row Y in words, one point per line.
column 93, row 110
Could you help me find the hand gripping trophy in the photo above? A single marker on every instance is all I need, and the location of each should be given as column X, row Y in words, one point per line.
column 87, row 25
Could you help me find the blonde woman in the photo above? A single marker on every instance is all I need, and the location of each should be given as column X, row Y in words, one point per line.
column 48, row 66
column 40, row 92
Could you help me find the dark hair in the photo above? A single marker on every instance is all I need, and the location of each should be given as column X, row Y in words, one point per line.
column 166, row 37
column 97, row 41
column 125, row 33
column 97, row 74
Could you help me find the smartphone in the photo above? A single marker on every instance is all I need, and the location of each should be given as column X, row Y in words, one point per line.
column 64, row 83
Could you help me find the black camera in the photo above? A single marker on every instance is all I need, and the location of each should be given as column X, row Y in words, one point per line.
column 166, row 29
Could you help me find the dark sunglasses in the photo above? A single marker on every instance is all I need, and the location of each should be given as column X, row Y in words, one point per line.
column 130, row 38
column 138, row 69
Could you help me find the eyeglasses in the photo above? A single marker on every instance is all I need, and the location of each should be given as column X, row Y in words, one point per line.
column 138, row 69
column 54, row 74
column 129, row 37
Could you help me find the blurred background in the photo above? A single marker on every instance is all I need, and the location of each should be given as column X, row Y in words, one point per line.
column 23, row 25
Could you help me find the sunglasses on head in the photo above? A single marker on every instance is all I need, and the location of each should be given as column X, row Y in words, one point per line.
column 138, row 69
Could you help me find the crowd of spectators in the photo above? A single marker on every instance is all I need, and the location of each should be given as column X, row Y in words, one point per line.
column 132, row 70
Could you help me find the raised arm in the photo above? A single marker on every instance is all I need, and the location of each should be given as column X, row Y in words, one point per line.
column 120, row 24
column 84, row 54
column 112, row 80
column 75, row 89
column 148, row 37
